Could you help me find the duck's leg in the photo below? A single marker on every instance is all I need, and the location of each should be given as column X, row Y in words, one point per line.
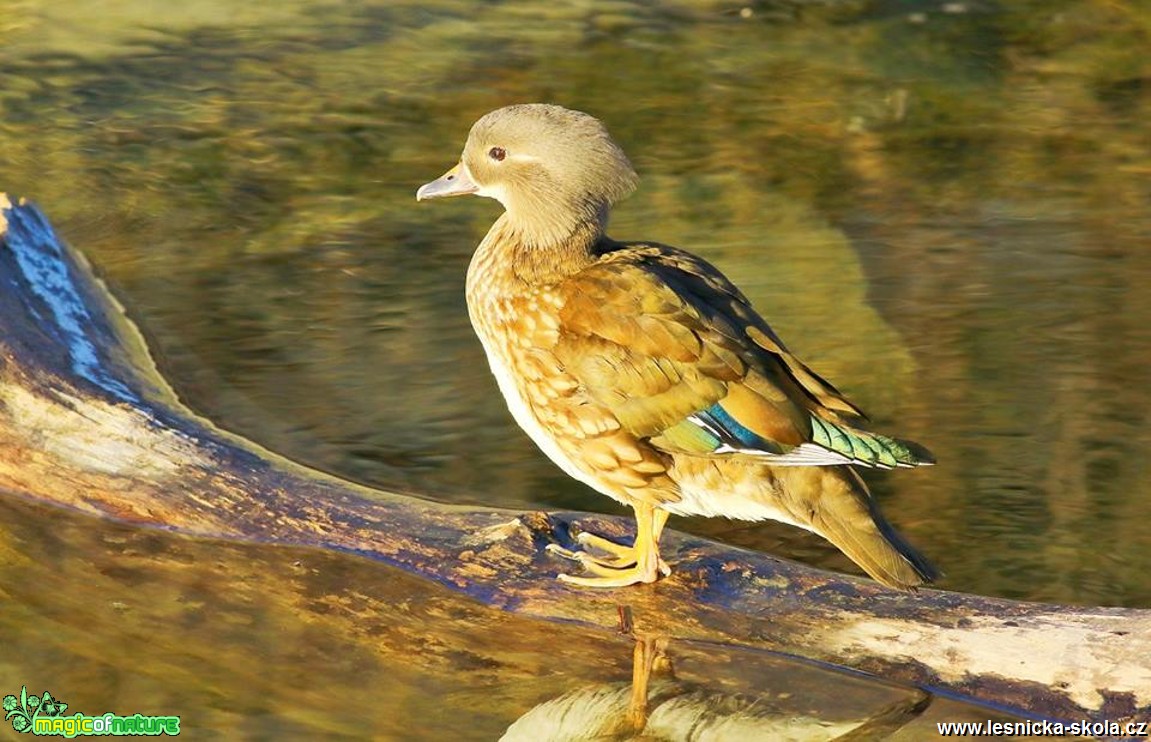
column 620, row 555
column 617, row 555
column 647, row 651
column 625, row 565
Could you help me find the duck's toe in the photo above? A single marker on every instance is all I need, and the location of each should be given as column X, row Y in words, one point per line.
column 621, row 556
column 607, row 577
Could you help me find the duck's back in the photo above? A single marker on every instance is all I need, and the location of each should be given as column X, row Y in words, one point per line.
column 654, row 346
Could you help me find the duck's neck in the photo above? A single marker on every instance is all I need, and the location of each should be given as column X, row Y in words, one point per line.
column 515, row 253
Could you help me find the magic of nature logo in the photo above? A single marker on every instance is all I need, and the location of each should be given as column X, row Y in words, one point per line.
column 44, row 715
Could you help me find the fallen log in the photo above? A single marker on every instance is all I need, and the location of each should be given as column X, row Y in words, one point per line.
column 87, row 422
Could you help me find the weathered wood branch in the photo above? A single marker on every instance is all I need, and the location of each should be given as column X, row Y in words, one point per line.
column 86, row 422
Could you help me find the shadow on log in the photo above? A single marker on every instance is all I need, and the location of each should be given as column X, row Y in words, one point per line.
column 86, row 422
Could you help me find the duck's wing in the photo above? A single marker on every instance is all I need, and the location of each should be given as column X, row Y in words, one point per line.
column 665, row 342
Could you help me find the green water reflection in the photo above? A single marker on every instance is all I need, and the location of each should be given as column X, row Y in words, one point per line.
column 941, row 207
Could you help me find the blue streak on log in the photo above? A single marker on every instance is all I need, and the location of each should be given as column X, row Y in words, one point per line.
column 47, row 274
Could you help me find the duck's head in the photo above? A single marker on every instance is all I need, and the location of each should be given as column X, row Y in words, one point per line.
column 556, row 171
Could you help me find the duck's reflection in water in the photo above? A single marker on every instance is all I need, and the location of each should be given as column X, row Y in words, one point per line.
column 657, row 706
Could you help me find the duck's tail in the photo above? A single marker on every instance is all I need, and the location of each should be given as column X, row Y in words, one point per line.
column 846, row 515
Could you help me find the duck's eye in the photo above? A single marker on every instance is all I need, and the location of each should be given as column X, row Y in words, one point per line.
column 497, row 153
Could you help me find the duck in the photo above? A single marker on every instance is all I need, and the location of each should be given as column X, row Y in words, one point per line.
column 643, row 372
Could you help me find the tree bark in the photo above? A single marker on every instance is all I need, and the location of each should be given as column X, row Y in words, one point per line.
column 86, row 422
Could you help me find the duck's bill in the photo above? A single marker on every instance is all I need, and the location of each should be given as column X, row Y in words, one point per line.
column 454, row 182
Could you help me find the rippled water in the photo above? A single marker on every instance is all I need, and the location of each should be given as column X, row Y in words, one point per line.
column 942, row 207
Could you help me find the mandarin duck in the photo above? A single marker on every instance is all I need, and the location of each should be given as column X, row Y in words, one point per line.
column 643, row 372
